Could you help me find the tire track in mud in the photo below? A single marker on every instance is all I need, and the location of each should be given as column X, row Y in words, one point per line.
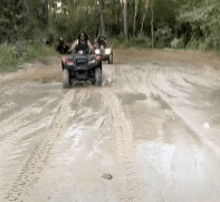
column 128, row 181
column 29, row 173
column 172, row 86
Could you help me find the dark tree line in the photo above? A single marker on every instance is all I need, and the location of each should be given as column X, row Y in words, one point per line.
column 22, row 20
column 163, row 23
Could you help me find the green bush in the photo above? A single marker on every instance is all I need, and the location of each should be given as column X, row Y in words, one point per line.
column 116, row 42
column 33, row 51
column 206, row 44
column 8, row 58
column 198, row 45
column 193, row 44
column 11, row 56
column 204, row 24
column 177, row 43
column 137, row 40
column 140, row 42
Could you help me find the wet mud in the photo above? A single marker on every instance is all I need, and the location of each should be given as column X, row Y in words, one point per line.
column 138, row 137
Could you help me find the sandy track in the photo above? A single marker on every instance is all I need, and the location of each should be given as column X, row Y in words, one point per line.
column 49, row 69
column 35, row 162
column 150, row 133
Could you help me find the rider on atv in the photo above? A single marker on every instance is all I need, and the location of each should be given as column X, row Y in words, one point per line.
column 82, row 65
column 102, row 41
column 102, row 49
column 81, row 43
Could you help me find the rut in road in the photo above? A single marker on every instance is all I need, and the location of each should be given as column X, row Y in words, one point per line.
column 128, row 179
column 35, row 162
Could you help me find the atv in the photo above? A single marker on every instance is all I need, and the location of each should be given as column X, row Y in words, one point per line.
column 105, row 53
column 82, row 66
column 102, row 50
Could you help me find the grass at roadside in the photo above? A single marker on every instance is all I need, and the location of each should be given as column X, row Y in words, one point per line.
column 12, row 56
column 140, row 42
column 143, row 43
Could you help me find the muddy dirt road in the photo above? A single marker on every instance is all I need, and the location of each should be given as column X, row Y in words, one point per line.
column 151, row 133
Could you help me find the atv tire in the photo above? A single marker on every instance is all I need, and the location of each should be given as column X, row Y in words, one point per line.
column 98, row 77
column 110, row 59
column 66, row 78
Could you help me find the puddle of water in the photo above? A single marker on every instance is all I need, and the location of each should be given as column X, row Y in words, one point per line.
column 130, row 98
column 29, row 96
column 215, row 96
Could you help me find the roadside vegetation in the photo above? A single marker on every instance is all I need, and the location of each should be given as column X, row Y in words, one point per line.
column 13, row 56
column 23, row 33
column 142, row 24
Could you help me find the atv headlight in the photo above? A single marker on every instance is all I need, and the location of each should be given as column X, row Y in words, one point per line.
column 107, row 51
column 80, row 52
column 97, row 51
column 70, row 62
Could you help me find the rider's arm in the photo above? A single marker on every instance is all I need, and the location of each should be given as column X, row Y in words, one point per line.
column 104, row 40
column 73, row 46
column 90, row 45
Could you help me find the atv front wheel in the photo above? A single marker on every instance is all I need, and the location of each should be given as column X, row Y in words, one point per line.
column 66, row 78
column 110, row 59
column 98, row 77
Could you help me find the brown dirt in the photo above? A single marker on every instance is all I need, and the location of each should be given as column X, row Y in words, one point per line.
column 49, row 69
column 150, row 133
column 197, row 58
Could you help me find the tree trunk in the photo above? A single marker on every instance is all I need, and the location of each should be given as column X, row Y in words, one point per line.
column 102, row 17
column 152, row 23
column 145, row 14
column 125, row 19
column 46, row 10
column 135, row 15
column 142, row 24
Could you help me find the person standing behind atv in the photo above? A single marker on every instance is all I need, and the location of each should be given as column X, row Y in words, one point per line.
column 82, row 43
column 61, row 47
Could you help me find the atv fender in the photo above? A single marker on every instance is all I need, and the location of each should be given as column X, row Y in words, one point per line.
column 63, row 61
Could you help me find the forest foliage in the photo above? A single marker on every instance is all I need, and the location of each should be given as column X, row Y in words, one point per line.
column 191, row 24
